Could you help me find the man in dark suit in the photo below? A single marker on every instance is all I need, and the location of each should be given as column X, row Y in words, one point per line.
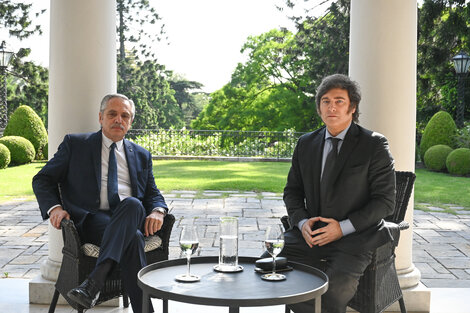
column 105, row 184
column 340, row 187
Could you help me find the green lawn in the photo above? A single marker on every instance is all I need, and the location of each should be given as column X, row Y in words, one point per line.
column 15, row 182
column 438, row 189
column 219, row 175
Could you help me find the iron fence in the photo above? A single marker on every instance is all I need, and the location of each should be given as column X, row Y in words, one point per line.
column 226, row 143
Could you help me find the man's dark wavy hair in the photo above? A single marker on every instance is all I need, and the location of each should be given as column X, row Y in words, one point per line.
column 343, row 82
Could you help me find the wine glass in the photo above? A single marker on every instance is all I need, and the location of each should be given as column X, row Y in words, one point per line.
column 274, row 243
column 189, row 243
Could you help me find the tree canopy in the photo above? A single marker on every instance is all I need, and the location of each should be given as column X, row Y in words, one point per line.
column 283, row 69
column 27, row 83
column 141, row 77
column 16, row 17
column 275, row 88
column 443, row 31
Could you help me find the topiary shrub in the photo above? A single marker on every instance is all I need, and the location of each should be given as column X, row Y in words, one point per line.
column 4, row 156
column 45, row 151
column 440, row 130
column 24, row 122
column 458, row 161
column 435, row 157
column 21, row 149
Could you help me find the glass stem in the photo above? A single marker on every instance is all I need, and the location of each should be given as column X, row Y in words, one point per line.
column 274, row 265
column 189, row 265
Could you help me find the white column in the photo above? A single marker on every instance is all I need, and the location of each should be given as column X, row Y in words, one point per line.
column 82, row 69
column 82, row 65
column 383, row 51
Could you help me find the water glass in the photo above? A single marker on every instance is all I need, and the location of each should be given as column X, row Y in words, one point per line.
column 228, row 247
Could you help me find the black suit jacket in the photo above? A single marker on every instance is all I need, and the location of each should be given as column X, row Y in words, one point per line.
column 362, row 186
column 72, row 177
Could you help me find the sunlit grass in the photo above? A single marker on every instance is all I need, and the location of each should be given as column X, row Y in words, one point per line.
column 440, row 189
column 220, row 175
column 15, row 182
column 437, row 189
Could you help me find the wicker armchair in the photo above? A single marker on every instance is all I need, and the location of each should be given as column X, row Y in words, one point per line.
column 379, row 287
column 76, row 265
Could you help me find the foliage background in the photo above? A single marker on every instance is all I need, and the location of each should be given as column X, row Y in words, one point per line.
column 273, row 89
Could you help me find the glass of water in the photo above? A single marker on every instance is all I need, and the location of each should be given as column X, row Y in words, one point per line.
column 228, row 246
column 274, row 243
column 189, row 243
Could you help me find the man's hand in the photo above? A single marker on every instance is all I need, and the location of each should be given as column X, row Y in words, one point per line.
column 153, row 223
column 326, row 234
column 57, row 215
column 307, row 231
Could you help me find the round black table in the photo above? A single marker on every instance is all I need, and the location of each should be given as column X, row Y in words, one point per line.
column 235, row 290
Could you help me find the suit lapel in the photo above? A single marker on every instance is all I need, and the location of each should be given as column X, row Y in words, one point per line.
column 317, row 147
column 350, row 141
column 131, row 164
column 96, row 142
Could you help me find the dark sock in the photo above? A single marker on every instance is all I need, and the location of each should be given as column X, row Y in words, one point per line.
column 101, row 271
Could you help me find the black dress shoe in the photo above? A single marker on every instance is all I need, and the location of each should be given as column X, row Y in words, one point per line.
column 86, row 294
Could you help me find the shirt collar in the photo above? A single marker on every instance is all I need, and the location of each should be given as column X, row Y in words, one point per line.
column 108, row 142
column 341, row 135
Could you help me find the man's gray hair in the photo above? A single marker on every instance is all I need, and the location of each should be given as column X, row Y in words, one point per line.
column 104, row 102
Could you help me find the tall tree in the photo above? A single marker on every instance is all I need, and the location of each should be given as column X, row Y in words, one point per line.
column 16, row 17
column 27, row 83
column 443, row 31
column 139, row 74
column 148, row 85
column 132, row 16
column 189, row 101
column 275, row 88
column 264, row 92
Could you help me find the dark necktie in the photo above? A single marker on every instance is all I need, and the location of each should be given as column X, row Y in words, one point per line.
column 113, row 196
column 328, row 170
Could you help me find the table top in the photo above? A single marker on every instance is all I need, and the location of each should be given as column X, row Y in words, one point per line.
column 245, row 288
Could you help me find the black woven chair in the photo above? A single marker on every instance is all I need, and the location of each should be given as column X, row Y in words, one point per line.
column 379, row 286
column 76, row 266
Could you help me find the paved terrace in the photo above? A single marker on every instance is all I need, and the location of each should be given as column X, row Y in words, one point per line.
column 441, row 246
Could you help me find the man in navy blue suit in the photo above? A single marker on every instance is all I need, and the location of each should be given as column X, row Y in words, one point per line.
column 105, row 184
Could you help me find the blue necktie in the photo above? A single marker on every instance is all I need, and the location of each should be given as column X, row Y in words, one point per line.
column 113, row 196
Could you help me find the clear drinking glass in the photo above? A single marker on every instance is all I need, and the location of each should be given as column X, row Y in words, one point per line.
column 274, row 243
column 228, row 246
column 189, row 243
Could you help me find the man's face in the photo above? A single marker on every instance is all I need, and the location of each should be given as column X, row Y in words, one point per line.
column 334, row 110
column 116, row 119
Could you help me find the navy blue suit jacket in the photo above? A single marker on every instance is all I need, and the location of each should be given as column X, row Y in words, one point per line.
column 72, row 177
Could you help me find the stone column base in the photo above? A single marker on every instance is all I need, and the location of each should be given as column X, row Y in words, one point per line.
column 41, row 291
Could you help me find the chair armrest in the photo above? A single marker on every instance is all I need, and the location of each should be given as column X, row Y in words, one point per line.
column 165, row 232
column 71, row 239
column 403, row 225
column 285, row 222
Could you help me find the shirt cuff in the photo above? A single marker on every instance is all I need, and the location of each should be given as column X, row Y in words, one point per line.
column 301, row 223
column 52, row 208
column 347, row 227
column 160, row 210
